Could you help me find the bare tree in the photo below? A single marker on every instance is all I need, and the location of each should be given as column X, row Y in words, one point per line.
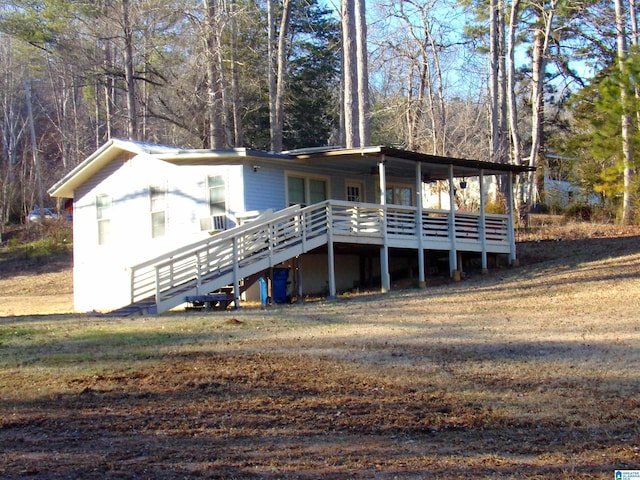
column 541, row 38
column 235, row 77
column 277, row 67
column 424, row 48
column 132, row 123
column 430, row 78
column 494, row 73
column 214, row 80
column 516, row 148
column 11, row 124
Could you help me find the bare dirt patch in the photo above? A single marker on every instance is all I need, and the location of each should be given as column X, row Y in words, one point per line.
column 32, row 284
column 524, row 373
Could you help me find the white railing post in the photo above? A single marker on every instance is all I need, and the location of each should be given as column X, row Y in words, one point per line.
column 236, row 274
column 453, row 254
column 271, row 238
column 132, row 285
column 385, row 277
column 157, row 284
column 510, row 222
column 303, row 227
column 330, row 254
column 482, row 228
column 421, row 276
column 199, row 270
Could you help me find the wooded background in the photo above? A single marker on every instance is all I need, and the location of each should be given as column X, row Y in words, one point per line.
column 551, row 83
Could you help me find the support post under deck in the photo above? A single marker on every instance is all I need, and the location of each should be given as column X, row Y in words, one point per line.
column 453, row 254
column 385, row 277
column 330, row 255
column 510, row 220
column 421, row 276
column 482, row 227
column 236, row 274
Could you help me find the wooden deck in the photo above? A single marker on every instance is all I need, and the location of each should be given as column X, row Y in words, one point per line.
column 229, row 256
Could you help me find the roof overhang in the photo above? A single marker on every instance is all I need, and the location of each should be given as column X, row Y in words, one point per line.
column 113, row 149
column 116, row 148
column 209, row 157
column 402, row 163
column 349, row 161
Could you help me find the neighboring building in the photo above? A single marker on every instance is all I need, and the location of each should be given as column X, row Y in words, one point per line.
column 155, row 224
column 559, row 191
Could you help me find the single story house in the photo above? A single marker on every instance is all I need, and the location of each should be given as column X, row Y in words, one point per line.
column 155, row 225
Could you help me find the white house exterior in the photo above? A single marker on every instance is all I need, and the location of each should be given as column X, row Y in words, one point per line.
column 137, row 204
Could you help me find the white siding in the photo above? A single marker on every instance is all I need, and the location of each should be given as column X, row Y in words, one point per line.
column 101, row 272
column 265, row 187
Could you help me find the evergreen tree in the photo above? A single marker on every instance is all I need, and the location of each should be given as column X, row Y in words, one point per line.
column 597, row 120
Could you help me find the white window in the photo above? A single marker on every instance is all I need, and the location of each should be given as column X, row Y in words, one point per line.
column 305, row 190
column 103, row 215
column 216, row 199
column 158, row 207
column 217, row 195
column 399, row 195
column 354, row 191
column 296, row 191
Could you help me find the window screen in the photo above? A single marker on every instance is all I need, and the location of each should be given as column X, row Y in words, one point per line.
column 158, row 202
column 317, row 191
column 296, row 191
column 217, row 201
column 103, row 215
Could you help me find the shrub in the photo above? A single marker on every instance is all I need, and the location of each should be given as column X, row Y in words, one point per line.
column 38, row 240
column 579, row 211
column 496, row 205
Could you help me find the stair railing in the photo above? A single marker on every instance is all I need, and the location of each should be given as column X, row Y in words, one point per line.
column 195, row 261
column 275, row 237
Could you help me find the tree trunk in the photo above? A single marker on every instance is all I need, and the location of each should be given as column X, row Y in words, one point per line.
column 516, row 154
column 503, row 129
column 627, row 209
column 277, row 72
column 109, row 91
column 350, row 73
column 235, row 80
column 363, row 73
column 271, row 65
column 494, row 71
column 440, row 107
column 538, row 68
column 34, row 147
column 214, row 92
column 132, row 120
column 633, row 19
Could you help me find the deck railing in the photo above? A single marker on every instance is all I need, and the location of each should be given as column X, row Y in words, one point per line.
column 273, row 238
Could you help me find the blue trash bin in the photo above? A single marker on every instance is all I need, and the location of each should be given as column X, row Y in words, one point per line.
column 279, row 287
column 264, row 290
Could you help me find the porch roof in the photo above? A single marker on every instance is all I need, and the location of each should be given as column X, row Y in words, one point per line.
column 401, row 163
column 354, row 161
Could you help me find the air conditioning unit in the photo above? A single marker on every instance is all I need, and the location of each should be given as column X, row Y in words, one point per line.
column 214, row 223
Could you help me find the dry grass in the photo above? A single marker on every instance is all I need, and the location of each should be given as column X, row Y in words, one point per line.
column 525, row 373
